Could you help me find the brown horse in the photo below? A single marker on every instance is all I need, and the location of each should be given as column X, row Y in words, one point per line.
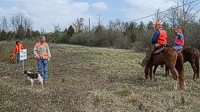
column 190, row 55
column 173, row 60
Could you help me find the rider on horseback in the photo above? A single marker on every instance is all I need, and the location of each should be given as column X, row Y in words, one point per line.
column 179, row 40
column 159, row 39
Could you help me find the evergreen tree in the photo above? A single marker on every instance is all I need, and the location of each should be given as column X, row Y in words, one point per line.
column 20, row 32
column 141, row 26
column 70, row 31
column 150, row 25
column 3, row 35
column 28, row 33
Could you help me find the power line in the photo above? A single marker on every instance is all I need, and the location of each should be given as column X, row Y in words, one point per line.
column 165, row 10
column 141, row 4
column 147, row 3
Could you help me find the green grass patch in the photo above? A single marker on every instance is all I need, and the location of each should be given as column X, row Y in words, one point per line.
column 5, row 104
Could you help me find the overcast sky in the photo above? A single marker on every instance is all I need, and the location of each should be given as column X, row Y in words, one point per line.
column 47, row 13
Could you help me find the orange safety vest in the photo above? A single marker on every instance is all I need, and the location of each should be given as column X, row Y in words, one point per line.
column 162, row 39
column 45, row 54
column 179, row 42
column 18, row 48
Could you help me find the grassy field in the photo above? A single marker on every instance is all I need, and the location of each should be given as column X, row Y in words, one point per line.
column 85, row 79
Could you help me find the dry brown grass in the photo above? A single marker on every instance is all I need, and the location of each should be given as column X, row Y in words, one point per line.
column 92, row 80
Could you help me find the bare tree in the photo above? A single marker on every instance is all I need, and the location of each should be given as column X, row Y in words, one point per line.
column 99, row 20
column 183, row 16
column 27, row 23
column 4, row 24
column 112, row 25
column 42, row 30
column 183, row 13
column 57, row 28
column 159, row 16
column 99, row 26
column 120, row 25
column 20, row 19
column 172, row 16
column 78, row 24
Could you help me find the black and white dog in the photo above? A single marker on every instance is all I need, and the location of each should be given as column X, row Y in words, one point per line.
column 33, row 76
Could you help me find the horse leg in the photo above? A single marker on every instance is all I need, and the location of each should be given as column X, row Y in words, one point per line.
column 197, row 66
column 154, row 72
column 166, row 71
column 180, row 69
column 175, row 85
column 147, row 71
column 174, row 72
column 150, row 70
column 194, row 70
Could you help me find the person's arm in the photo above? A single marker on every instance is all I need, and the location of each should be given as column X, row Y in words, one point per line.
column 35, row 52
column 155, row 37
column 22, row 46
column 180, row 36
column 48, row 51
column 15, row 50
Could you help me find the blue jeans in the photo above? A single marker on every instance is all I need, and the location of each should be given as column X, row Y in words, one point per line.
column 43, row 63
column 177, row 47
column 18, row 57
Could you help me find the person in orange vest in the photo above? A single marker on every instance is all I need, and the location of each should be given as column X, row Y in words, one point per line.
column 43, row 55
column 179, row 40
column 159, row 39
column 17, row 49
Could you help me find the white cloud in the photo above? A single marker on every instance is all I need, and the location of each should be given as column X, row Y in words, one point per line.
column 145, row 8
column 153, row 4
column 46, row 13
column 2, row 10
column 100, row 5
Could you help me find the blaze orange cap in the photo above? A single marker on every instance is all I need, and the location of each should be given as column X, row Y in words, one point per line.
column 179, row 30
column 159, row 24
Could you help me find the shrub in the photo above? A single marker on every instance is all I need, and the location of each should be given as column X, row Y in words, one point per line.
column 87, row 39
column 123, row 43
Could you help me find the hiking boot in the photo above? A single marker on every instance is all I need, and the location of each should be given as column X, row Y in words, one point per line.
column 142, row 64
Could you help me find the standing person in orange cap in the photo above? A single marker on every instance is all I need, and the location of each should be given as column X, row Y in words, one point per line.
column 17, row 48
column 179, row 40
column 159, row 39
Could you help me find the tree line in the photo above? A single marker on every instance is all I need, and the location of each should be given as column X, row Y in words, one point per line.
column 117, row 33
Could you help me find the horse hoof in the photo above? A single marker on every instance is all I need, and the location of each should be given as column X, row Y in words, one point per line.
column 182, row 88
column 155, row 79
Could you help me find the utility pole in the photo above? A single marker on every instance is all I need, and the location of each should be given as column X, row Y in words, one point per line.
column 89, row 24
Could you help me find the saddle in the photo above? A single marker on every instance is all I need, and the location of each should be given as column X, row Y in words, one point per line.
column 160, row 49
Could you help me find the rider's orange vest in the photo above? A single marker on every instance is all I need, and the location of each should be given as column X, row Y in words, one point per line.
column 18, row 48
column 39, row 51
column 179, row 42
column 162, row 39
